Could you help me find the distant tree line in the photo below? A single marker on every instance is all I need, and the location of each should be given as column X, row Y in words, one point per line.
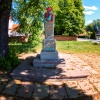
column 93, row 28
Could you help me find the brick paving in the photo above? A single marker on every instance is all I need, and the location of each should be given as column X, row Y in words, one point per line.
column 25, row 90
column 58, row 92
column 10, row 88
column 76, row 89
column 40, row 91
column 72, row 69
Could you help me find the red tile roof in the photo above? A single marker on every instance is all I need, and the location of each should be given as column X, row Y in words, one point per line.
column 15, row 27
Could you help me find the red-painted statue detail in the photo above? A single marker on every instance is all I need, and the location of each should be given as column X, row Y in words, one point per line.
column 48, row 16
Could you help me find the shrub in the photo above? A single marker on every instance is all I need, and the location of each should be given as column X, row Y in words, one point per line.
column 10, row 61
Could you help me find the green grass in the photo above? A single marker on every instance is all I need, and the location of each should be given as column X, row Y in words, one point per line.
column 78, row 47
column 74, row 47
column 22, row 47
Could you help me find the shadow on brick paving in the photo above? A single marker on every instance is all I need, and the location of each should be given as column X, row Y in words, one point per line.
column 14, row 91
column 39, row 93
column 27, row 72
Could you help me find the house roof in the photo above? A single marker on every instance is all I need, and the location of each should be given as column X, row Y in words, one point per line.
column 15, row 27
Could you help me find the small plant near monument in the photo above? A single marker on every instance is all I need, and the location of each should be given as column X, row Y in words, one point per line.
column 23, row 47
column 10, row 61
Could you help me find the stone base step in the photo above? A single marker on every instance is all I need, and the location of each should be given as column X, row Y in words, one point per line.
column 48, row 63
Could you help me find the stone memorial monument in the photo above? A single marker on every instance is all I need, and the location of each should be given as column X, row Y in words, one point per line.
column 49, row 43
column 49, row 55
column 49, row 58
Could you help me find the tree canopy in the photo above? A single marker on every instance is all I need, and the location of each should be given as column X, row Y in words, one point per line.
column 69, row 16
column 29, row 14
column 70, row 19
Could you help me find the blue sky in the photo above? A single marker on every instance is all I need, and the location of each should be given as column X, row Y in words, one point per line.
column 92, row 10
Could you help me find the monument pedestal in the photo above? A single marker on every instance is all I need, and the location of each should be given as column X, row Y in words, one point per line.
column 45, row 62
column 49, row 55
column 45, row 55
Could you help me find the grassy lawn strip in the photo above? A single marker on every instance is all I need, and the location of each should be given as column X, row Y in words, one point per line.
column 74, row 47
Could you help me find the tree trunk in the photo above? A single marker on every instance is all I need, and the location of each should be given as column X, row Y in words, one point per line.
column 5, row 7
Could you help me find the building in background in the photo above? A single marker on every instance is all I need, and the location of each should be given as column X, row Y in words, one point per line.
column 12, row 27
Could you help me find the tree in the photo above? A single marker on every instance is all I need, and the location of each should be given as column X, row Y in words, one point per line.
column 5, row 6
column 93, row 27
column 98, row 24
column 30, row 13
column 70, row 19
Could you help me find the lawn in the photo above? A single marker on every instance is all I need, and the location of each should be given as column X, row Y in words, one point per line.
column 77, row 47
column 74, row 47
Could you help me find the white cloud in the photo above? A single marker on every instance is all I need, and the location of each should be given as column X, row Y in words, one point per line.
column 88, row 12
column 90, row 21
column 90, row 7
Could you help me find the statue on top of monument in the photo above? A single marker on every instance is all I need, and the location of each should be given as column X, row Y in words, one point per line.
column 48, row 16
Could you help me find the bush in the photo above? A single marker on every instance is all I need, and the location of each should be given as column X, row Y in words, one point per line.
column 10, row 61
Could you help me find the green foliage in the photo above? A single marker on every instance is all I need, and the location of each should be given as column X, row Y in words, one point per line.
column 30, row 14
column 23, row 47
column 70, row 18
column 98, row 23
column 54, row 4
column 93, row 27
column 88, row 33
column 10, row 61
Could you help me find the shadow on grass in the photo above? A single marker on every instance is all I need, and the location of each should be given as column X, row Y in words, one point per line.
column 22, row 47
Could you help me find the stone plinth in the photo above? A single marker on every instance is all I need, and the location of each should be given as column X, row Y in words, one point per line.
column 46, row 62
column 45, row 55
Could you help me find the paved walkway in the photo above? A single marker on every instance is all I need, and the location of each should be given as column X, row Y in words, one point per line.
column 91, row 40
column 76, row 89
column 68, row 68
column 85, row 39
